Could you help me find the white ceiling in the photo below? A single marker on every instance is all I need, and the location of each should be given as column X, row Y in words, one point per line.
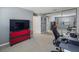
column 44, row 10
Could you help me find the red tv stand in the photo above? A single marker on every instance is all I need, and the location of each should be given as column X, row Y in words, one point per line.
column 19, row 36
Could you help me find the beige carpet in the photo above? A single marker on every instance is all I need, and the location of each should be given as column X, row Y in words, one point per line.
column 39, row 43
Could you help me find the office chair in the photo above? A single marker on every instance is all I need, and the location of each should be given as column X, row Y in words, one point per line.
column 56, row 42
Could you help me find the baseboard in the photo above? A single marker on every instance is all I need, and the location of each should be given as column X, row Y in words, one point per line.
column 4, row 44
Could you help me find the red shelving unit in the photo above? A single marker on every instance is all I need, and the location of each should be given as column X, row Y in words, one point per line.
column 19, row 36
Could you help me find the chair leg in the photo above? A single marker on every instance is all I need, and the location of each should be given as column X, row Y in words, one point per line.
column 59, row 49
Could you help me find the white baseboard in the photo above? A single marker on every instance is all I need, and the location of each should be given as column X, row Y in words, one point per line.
column 4, row 44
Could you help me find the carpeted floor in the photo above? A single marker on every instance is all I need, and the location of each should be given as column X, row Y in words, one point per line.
column 39, row 43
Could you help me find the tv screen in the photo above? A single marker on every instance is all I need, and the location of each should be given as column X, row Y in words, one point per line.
column 17, row 25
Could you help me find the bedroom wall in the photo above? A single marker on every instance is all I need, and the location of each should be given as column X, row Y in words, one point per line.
column 7, row 13
column 36, row 24
column 78, row 21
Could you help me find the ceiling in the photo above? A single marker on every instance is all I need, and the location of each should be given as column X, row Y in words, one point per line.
column 44, row 10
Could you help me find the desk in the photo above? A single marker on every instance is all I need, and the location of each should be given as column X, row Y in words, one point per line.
column 69, row 47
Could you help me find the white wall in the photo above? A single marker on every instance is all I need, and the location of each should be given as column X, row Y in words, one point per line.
column 8, row 13
column 36, row 24
column 78, row 20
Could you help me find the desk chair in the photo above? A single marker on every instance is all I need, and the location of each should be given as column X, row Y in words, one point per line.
column 56, row 42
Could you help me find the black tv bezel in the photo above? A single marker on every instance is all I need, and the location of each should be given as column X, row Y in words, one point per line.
column 18, row 20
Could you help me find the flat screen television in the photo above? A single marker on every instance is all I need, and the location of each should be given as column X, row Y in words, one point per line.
column 18, row 25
